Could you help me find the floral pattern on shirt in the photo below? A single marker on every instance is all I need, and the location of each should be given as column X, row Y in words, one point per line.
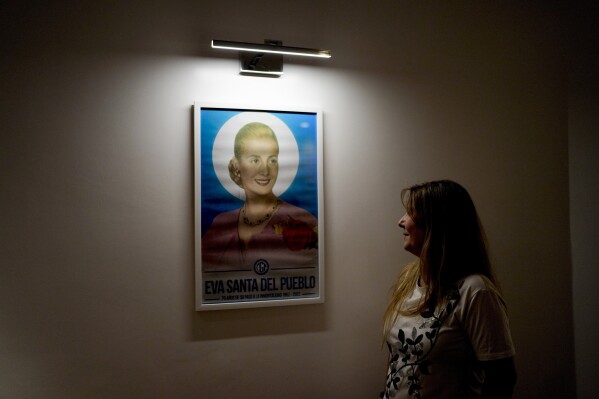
column 408, row 361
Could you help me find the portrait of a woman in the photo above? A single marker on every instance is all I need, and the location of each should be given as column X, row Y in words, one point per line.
column 265, row 229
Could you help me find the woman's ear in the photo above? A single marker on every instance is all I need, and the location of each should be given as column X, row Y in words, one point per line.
column 235, row 165
column 234, row 173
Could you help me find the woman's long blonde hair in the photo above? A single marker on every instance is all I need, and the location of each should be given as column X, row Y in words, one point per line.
column 454, row 246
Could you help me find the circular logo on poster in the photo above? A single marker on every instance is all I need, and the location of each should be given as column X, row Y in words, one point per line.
column 261, row 267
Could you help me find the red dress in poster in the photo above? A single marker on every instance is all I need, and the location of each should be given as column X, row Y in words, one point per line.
column 288, row 240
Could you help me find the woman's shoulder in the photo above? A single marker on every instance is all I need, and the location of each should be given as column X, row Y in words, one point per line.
column 296, row 212
column 480, row 292
column 477, row 282
column 226, row 218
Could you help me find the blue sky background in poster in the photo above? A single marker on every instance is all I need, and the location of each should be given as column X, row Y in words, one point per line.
column 302, row 192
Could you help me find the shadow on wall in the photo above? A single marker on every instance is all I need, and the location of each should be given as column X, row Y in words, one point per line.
column 236, row 323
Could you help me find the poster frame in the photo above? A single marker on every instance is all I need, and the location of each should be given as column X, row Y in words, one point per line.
column 235, row 288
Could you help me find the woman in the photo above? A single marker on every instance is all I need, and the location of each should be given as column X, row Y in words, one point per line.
column 446, row 325
column 266, row 232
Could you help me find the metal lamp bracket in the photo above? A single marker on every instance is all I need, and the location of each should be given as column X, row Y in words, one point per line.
column 258, row 63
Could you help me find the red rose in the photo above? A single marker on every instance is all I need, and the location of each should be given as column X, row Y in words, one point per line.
column 299, row 235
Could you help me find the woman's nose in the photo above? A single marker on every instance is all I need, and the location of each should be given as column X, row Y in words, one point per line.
column 402, row 222
column 264, row 169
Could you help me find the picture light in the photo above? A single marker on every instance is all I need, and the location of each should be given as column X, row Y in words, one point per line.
column 266, row 58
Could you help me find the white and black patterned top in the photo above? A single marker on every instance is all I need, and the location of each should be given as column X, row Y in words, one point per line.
column 436, row 354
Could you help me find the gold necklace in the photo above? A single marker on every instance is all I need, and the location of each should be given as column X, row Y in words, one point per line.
column 258, row 222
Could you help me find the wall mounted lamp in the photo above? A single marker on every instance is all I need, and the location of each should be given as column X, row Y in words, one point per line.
column 267, row 58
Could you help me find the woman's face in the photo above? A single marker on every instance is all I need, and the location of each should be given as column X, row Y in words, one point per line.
column 413, row 236
column 259, row 166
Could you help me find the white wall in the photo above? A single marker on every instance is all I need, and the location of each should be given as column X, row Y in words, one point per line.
column 96, row 162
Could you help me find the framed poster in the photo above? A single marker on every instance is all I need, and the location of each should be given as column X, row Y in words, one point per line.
column 258, row 207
